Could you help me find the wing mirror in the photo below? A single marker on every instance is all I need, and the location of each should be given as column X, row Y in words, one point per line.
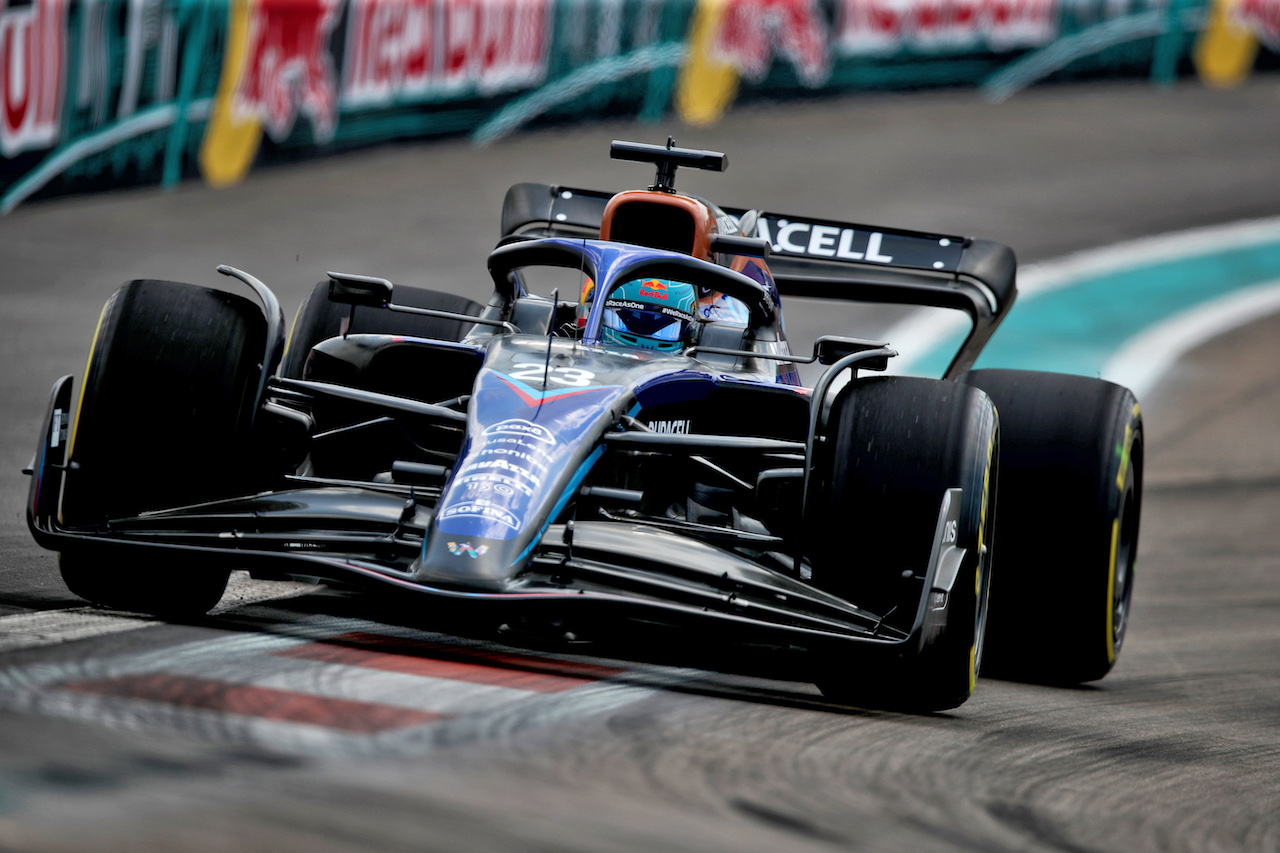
column 831, row 348
column 755, row 247
column 351, row 289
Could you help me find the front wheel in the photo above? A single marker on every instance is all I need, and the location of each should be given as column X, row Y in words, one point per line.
column 910, row 466
column 165, row 420
column 143, row 584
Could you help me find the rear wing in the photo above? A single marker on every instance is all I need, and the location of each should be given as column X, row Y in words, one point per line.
column 824, row 259
column 544, row 210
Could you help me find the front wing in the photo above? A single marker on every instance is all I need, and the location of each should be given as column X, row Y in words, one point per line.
column 597, row 571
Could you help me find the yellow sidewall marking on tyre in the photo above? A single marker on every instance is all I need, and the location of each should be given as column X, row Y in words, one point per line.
column 986, row 486
column 1111, row 591
column 84, row 383
column 977, row 572
column 1124, row 455
column 293, row 329
column 1125, row 458
column 84, row 379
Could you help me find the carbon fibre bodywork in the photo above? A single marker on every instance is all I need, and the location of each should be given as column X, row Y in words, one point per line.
column 517, row 470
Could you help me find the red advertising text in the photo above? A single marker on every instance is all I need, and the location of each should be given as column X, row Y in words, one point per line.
column 752, row 31
column 1262, row 17
column 418, row 47
column 887, row 26
column 31, row 59
column 288, row 68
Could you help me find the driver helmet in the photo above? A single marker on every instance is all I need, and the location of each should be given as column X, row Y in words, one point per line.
column 650, row 313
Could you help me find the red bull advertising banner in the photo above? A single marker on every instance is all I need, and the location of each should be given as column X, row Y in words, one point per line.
column 32, row 76
column 99, row 93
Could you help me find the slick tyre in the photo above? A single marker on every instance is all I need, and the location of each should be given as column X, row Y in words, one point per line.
column 894, row 446
column 319, row 319
column 1071, row 499
column 142, row 584
column 165, row 420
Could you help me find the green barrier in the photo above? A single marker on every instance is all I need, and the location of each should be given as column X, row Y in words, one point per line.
column 104, row 93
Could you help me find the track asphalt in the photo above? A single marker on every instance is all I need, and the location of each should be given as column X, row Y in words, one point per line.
column 314, row 722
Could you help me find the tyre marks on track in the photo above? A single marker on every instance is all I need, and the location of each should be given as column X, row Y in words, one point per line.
column 324, row 685
column 455, row 663
column 265, row 703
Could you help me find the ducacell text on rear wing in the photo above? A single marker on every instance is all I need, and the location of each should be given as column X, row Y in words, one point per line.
column 865, row 263
column 824, row 258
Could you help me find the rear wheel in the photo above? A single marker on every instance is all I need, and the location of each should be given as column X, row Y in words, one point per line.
column 165, row 420
column 1071, row 492
column 897, row 445
column 319, row 319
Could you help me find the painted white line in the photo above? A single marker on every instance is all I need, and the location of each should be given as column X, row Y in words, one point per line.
column 1146, row 357
column 444, row 696
column 1162, row 248
column 494, row 714
column 243, row 590
column 51, row 627
column 509, row 722
column 140, row 715
column 921, row 330
column 500, row 723
column 355, row 683
column 917, row 334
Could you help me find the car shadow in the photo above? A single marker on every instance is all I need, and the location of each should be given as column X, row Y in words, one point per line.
column 657, row 657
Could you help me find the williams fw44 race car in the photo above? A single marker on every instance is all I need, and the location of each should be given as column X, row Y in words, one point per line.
column 618, row 437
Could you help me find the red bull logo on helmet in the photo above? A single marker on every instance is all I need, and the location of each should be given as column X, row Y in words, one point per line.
column 654, row 289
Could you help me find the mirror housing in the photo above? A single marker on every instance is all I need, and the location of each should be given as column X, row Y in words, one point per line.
column 349, row 289
column 831, row 348
column 756, row 247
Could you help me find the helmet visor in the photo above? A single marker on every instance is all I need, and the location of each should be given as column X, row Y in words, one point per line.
column 664, row 323
column 649, row 324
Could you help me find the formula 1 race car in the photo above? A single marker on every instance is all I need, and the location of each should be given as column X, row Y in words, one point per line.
column 618, row 436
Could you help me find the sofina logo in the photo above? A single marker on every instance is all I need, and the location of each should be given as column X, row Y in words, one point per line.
column 465, row 548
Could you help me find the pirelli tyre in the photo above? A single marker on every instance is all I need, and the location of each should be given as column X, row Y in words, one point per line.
column 895, row 449
column 1070, row 504
column 319, row 319
column 165, row 419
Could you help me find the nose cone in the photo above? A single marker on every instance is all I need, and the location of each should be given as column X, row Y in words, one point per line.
column 476, row 564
